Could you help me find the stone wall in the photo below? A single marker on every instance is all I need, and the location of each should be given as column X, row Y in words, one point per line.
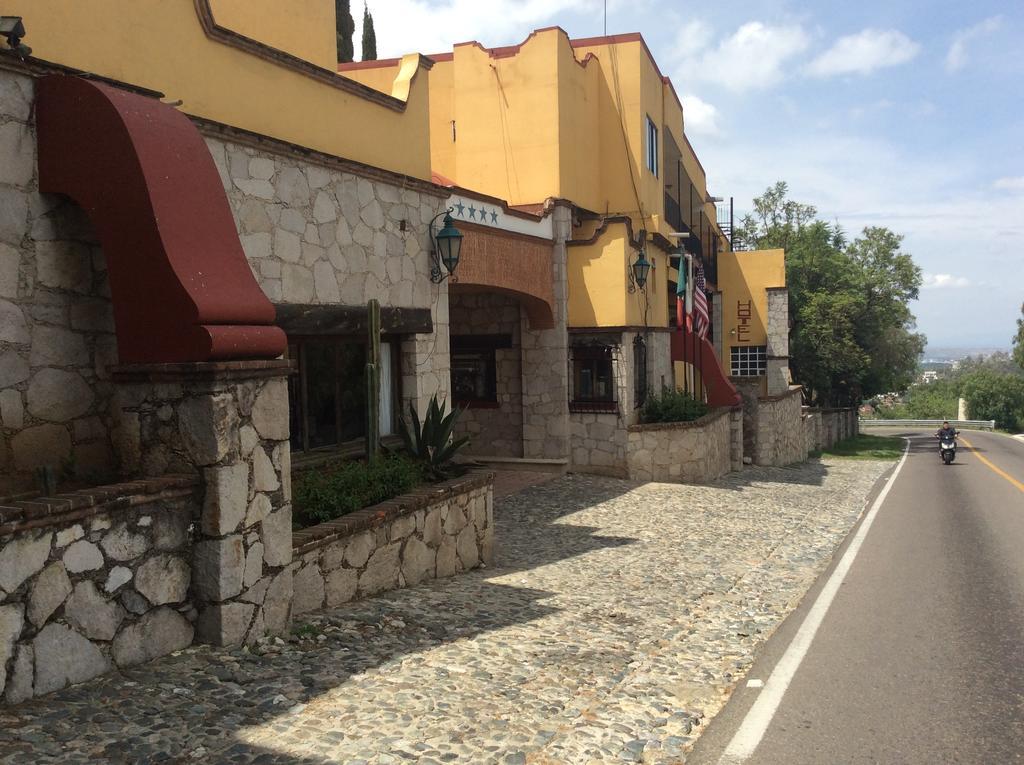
column 599, row 441
column 227, row 424
column 545, row 372
column 736, row 438
column 778, row 376
column 94, row 580
column 497, row 431
column 434, row 532
column 56, row 325
column 682, row 452
column 824, row 428
column 313, row 230
column 315, row 233
column 780, row 438
column 660, row 369
column 750, row 389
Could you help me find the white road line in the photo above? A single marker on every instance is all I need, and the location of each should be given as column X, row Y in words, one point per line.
column 760, row 715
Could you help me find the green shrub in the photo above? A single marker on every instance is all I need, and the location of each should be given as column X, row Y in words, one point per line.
column 338, row 488
column 995, row 396
column 672, row 406
column 431, row 444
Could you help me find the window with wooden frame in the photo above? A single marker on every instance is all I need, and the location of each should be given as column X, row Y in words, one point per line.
column 327, row 395
column 593, row 378
column 651, row 148
column 475, row 369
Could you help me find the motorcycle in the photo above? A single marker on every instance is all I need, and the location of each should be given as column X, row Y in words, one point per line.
column 947, row 447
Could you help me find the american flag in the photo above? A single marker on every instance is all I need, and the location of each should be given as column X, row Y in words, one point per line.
column 701, row 320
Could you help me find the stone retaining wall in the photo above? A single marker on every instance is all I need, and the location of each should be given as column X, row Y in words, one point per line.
column 436, row 531
column 94, row 580
column 824, row 428
column 779, row 438
column 227, row 424
column 683, row 452
column 599, row 442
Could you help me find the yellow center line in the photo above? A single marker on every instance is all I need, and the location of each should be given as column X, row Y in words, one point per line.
column 997, row 470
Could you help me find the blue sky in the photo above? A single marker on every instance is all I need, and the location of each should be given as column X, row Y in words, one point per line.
column 902, row 114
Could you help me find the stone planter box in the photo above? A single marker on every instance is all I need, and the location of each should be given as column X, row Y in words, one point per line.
column 435, row 531
column 683, row 452
column 94, row 580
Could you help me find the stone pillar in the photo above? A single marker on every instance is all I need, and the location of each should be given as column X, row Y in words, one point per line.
column 227, row 423
column 736, row 438
column 545, row 369
column 426, row 359
column 778, row 377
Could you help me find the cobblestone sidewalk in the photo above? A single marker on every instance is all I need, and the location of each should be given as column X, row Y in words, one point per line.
column 615, row 623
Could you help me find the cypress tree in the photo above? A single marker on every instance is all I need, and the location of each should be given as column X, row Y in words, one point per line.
column 369, row 36
column 345, row 27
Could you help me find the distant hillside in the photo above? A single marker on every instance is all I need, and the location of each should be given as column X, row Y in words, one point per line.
column 939, row 355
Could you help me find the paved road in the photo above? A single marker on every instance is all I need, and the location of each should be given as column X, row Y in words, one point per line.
column 920, row 658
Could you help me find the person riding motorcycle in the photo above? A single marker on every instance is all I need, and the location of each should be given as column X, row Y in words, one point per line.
column 947, row 435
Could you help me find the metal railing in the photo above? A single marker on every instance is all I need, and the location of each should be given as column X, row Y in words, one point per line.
column 969, row 424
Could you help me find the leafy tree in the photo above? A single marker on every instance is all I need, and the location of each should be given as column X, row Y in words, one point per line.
column 939, row 400
column 824, row 352
column 775, row 218
column 1018, row 341
column 369, row 36
column 852, row 328
column 999, row 362
column 345, row 28
column 994, row 396
column 888, row 279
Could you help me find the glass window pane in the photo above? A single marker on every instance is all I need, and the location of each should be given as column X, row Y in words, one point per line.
column 592, row 376
column 321, row 416
column 352, row 390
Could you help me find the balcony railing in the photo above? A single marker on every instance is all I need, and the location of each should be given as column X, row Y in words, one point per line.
column 673, row 214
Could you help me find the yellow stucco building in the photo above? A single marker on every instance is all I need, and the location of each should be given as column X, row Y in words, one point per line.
column 592, row 121
column 595, row 122
column 589, row 124
column 263, row 66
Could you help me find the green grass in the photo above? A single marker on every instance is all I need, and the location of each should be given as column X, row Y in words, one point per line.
column 864, row 447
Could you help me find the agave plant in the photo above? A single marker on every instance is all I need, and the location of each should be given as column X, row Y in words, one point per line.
column 431, row 443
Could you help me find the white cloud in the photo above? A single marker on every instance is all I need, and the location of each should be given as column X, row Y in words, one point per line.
column 692, row 38
column 700, row 117
column 860, row 180
column 753, row 57
column 864, row 52
column 944, row 281
column 956, row 57
column 433, row 26
column 1010, row 184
